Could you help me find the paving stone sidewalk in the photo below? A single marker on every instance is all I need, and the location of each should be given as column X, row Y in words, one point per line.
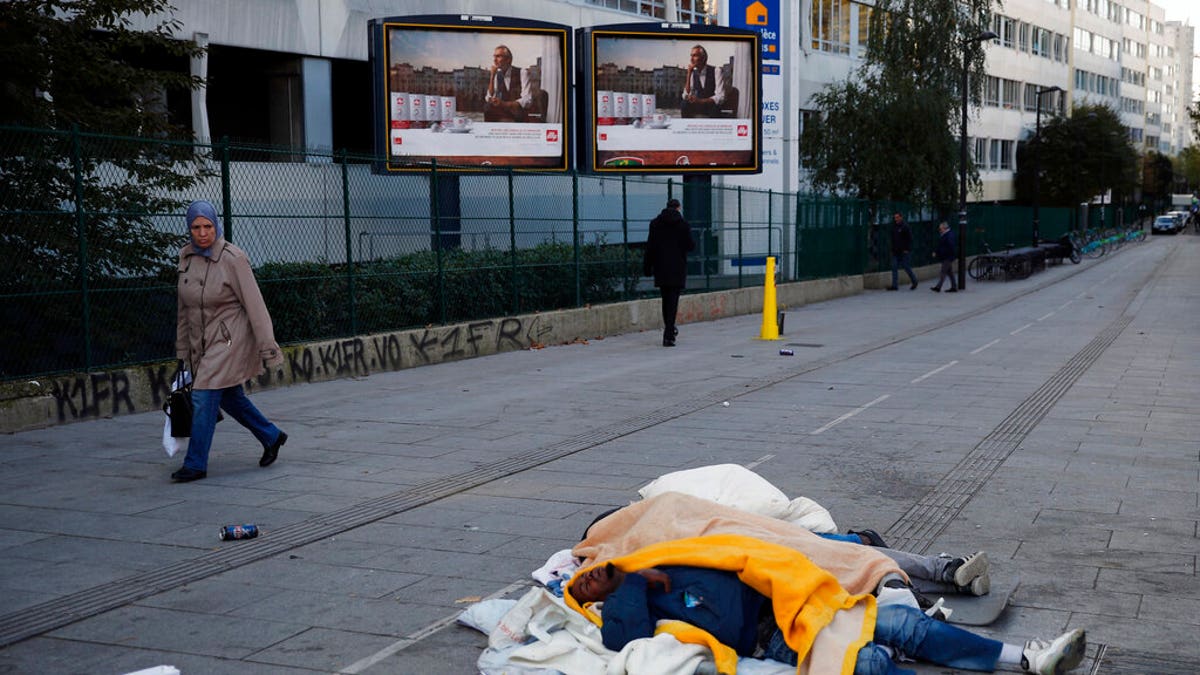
column 1049, row 421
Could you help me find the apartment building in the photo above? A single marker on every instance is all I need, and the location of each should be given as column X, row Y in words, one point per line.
column 294, row 72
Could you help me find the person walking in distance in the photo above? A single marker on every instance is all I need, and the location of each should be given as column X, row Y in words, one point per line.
column 665, row 259
column 945, row 254
column 901, row 251
column 224, row 335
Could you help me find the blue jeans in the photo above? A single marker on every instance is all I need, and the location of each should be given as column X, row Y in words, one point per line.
column 902, row 260
column 232, row 400
column 909, row 632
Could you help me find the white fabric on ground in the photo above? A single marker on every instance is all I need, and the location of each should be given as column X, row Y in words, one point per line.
column 559, row 566
column 485, row 615
column 736, row 486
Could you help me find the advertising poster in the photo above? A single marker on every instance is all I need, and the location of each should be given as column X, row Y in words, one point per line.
column 475, row 96
column 674, row 102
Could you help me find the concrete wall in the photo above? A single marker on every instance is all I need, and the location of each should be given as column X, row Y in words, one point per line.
column 86, row 396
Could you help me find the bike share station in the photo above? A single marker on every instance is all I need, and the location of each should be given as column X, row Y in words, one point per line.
column 1020, row 263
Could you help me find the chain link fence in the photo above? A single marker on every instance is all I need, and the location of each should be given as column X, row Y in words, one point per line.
column 93, row 225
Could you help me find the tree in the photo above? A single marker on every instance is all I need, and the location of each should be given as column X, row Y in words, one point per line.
column 1157, row 178
column 890, row 131
column 1189, row 166
column 69, row 71
column 1082, row 156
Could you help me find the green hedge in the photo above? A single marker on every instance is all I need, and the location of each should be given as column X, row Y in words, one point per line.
column 313, row 300
column 132, row 320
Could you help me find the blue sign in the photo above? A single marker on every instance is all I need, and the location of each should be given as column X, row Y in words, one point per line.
column 761, row 16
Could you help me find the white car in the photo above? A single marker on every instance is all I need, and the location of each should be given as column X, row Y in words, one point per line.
column 1182, row 217
column 1168, row 224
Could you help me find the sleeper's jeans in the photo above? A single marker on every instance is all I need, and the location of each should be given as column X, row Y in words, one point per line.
column 910, row 632
column 232, row 400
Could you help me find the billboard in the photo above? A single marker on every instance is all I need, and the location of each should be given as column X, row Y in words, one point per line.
column 471, row 92
column 669, row 98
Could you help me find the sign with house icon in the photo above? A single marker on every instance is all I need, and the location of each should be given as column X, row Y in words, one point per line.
column 761, row 16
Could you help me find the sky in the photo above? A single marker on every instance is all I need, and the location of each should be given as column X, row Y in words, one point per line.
column 1187, row 11
column 1180, row 10
column 448, row 50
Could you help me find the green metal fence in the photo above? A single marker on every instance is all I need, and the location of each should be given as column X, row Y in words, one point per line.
column 92, row 236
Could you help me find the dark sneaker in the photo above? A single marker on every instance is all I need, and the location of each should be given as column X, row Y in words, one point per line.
column 935, row 289
column 913, row 287
column 892, row 288
column 869, row 537
column 952, row 290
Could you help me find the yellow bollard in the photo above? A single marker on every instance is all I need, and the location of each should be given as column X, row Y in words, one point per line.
column 770, row 329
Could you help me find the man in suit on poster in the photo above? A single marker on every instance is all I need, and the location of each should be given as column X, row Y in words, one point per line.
column 509, row 93
column 703, row 87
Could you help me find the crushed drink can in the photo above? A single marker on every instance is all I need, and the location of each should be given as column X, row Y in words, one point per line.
column 787, row 352
column 239, row 532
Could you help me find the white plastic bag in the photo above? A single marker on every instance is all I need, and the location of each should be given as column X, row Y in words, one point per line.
column 171, row 444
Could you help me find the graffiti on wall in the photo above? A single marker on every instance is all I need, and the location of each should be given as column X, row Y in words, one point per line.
column 119, row 392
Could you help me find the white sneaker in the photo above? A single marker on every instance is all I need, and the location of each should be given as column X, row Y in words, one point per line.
column 973, row 566
column 980, row 585
column 1056, row 656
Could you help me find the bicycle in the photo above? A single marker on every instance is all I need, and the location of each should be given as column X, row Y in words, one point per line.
column 1089, row 243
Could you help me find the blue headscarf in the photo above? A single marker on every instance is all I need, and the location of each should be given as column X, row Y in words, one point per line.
column 203, row 207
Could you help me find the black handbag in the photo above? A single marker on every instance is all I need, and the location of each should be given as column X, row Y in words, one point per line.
column 178, row 407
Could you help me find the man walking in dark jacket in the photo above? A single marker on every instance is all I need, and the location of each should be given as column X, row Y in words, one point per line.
column 665, row 258
column 901, row 251
column 945, row 254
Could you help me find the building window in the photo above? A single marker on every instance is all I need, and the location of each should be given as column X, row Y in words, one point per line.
column 1006, row 155
column 690, row 11
column 1010, row 94
column 991, row 90
column 980, row 154
column 831, row 26
column 1023, row 37
column 994, row 154
column 864, row 27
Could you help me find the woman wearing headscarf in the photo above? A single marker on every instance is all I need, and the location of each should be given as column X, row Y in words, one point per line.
column 224, row 335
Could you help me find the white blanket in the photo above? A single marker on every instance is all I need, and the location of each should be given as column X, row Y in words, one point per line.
column 736, row 486
column 540, row 635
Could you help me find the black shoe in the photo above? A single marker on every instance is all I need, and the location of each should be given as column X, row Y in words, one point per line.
column 187, row 475
column 892, row 288
column 667, row 342
column 913, row 287
column 935, row 289
column 952, row 290
column 871, row 536
column 271, row 452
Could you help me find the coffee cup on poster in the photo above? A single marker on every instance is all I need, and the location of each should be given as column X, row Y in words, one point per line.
column 460, row 124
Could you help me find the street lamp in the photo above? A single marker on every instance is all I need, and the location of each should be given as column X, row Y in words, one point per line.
column 1037, row 164
column 962, row 163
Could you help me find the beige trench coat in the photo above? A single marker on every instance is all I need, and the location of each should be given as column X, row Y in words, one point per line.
column 223, row 332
